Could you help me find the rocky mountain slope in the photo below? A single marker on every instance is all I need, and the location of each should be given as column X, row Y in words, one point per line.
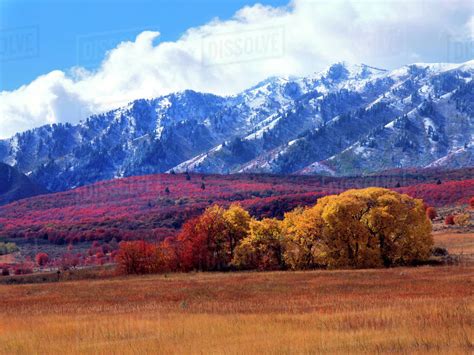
column 347, row 119
column 15, row 186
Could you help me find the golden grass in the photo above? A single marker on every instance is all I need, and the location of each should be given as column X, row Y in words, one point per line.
column 404, row 310
column 456, row 243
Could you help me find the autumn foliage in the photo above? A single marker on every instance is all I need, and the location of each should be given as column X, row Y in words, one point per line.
column 42, row 259
column 449, row 220
column 373, row 227
column 263, row 248
column 155, row 207
column 139, row 257
column 367, row 228
column 462, row 219
column 431, row 213
column 208, row 242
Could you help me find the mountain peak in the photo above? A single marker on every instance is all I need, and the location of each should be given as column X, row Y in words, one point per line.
column 349, row 118
column 338, row 71
column 438, row 67
column 344, row 71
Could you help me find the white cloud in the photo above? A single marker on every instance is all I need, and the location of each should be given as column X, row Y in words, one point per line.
column 225, row 57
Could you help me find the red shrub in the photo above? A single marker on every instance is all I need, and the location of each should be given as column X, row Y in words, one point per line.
column 137, row 208
column 449, row 220
column 138, row 257
column 170, row 255
column 42, row 259
column 69, row 261
column 23, row 269
column 431, row 213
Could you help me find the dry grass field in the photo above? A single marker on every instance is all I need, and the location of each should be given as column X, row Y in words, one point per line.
column 456, row 243
column 421, row 310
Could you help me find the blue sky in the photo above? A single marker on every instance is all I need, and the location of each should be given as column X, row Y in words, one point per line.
column 61, row 23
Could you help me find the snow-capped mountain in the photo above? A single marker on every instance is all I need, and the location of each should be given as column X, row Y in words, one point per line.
column 347, row 119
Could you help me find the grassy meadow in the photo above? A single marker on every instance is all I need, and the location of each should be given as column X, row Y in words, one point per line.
column 421, row 310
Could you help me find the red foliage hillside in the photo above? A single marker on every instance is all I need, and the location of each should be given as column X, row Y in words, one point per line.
column 444, row 194
column 154, row 207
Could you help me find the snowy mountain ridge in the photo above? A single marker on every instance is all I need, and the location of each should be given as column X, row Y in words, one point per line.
column 346, row 119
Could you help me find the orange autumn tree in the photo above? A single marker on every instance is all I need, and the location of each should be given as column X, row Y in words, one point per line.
column 207, row 242
column 139, row 257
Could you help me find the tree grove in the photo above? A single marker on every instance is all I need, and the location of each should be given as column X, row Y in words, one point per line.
column 366, row 228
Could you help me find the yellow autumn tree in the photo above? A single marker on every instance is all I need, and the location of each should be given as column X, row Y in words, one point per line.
column 263, row 248
column 371, row 227
column 302, row 229
column 345, row 240
column 462, row 219
column 237, row 221
column 400, row 223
